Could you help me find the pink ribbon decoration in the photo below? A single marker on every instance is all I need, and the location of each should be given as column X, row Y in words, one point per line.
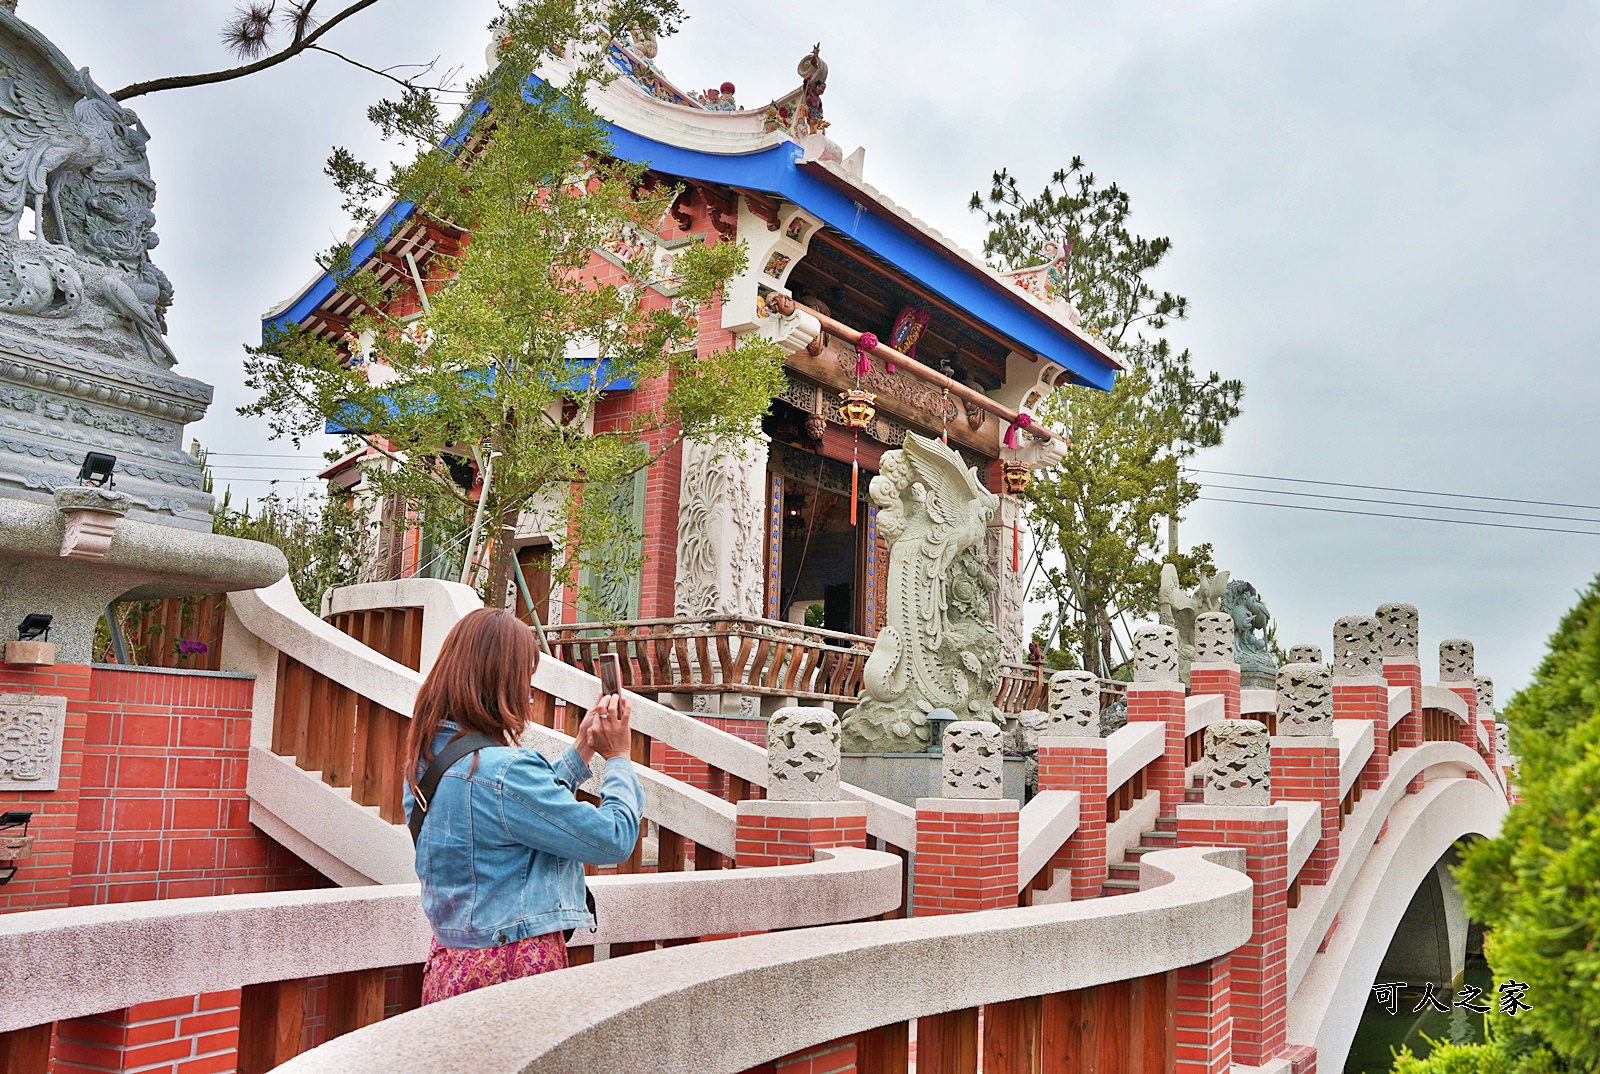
column 865, row 346
column 1022, row 422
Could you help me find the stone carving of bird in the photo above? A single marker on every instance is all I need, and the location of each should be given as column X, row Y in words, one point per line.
column 120, row 297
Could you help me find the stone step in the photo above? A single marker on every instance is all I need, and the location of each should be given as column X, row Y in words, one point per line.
column 1124, row 871
column 1118, row 887
column 1159, row 836
column 1194, row 795
column 1167, row 824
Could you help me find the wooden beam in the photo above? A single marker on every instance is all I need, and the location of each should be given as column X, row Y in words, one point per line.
column 948, row 1043
column 355, row 999
column 272, row 1024
column 1011, row 1037
column 27, row 1051
column 883, row 1050
column 917, row 369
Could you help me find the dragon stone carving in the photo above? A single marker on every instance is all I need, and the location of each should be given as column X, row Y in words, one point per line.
column 76, row 158
column 1258, row 667
column 939, row 647
column 82, row 306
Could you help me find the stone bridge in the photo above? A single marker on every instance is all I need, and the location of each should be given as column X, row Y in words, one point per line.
column 1214, row 886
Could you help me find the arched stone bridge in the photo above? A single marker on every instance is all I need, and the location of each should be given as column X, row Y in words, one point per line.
column 1134, row 915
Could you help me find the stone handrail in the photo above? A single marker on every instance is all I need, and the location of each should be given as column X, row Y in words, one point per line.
column 1042, row 826
column 1438, row 697
column 1355, row 746
column 1202, row 711
column 84, row 960
column 742, row 1000
column 276, row 616
column 1129, row 748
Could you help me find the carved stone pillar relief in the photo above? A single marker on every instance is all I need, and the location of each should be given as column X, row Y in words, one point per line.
column 1075, row 704
column 1357, row 647
column 803, row 755
column 1155, row 654
column 1213, row 638
column 972, row 760
column 721, row 526
column 1238, row 766
column 1455, row 661
column 1399, row 625
column 31, row 730
column 1009, row 596
column 1305, row 699
column 1305, row 654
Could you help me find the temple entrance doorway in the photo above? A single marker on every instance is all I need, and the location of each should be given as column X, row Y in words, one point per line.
column 819, row 558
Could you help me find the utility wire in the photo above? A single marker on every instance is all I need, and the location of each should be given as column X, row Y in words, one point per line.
column 1414, row 518
column 1387, row 488
column 1399, row 503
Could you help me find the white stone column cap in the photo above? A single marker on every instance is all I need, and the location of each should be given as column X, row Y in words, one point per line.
column 970, row 805
column 1206, row 665
column 1270, row 814
column 1347, row 681
column 1159, row 686
column 1330, row 742
column 1067, row 742
column 766, row 807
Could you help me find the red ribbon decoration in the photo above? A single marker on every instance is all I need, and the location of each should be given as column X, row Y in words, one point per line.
column 1022, row 422
column 855, row 477
column 864, row 346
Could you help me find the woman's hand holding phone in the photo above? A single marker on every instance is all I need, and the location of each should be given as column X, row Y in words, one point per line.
column 606, row 729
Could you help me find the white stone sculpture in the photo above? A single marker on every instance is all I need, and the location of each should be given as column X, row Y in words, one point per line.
column 721, row 526
column 1305, row 699
column 31, row 730
column 1238, row 766
column 1398, row 623
column 1155, row 654
column 1485, row 687
column 938, row 647
column 972, row 760
column 1181, row 610
column 1455, row 660
column 1075, row 704
column 1358, row 647
column 1213, row 638
column 1305, row 654
column 803, row 755
column 1502, row 739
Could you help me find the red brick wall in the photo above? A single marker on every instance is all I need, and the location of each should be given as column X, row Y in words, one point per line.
column 966, row 859
column 1259, row 967
column 1307, row 773
column 188, row 1035
column 1165, row 774
column 1410, row 724
column 162, row 809
column 1205, row 1017
column 1216, row 680
column 45, row 879
column 1370, row 703
column 1080, row 768
column 767, row 840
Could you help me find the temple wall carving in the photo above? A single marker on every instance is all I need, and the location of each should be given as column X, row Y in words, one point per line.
column 721, row 527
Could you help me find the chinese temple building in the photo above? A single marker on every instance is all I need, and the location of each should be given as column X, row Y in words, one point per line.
column 965, row 354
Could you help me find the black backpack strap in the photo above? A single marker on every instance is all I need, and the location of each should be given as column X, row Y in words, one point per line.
column 453, row 752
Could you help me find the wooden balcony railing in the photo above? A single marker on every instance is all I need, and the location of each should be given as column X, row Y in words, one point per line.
column 760, row 658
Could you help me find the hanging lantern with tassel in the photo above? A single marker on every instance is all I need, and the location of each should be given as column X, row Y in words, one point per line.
column 857, row 409
column 1014, row 478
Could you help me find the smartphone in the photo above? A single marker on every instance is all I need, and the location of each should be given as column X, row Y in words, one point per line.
column 610, row 668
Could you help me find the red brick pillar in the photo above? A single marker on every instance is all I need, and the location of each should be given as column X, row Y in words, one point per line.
column 801, row 812
column 1259, row 967
column 1214, row 670
column 1359, row 689
column 790, row 833
column 1305, row 757
column 1402, row 667
column 1156, row 696
column 967, row 840
column 1456, row 672
column 1079, row 764
column 45, row 878
column 198, row 1033
column 1205, row 1017
column 1491, row 753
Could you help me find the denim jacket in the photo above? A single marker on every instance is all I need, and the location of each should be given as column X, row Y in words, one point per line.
column 501, row 854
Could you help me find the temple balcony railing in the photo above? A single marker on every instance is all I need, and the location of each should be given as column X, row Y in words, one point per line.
column 760, row 658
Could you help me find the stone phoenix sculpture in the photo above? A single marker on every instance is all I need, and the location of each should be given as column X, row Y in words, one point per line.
column 939, row 647
column 83, row 359
column 1180, row 609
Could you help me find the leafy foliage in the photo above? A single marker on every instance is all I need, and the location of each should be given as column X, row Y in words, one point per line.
column 1099, row 511
column 521, row 340
column 1536, row 886
column 319, row 537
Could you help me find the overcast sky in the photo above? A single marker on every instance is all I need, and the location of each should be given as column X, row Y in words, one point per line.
column 1382, row 213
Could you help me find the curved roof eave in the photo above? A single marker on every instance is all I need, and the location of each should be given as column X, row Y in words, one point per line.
column 863, row 216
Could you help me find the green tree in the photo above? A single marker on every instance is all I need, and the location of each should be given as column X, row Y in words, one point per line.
column 508, row 366
column 1100, row 510
column 1536, row 886
column 320, row 537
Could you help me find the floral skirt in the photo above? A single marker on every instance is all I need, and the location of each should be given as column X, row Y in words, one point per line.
column 450, row 971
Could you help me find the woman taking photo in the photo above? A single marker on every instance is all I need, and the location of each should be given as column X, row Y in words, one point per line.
column 502, row 840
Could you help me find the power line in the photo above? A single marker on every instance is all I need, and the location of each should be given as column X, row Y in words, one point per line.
column 1387, row 488
column 1399, row 503
column 1414, row 518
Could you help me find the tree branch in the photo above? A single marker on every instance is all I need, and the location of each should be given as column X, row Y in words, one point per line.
column 384, row 71
column 294, row 49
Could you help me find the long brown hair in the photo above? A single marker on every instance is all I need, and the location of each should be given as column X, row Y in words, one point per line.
column 481, row 681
